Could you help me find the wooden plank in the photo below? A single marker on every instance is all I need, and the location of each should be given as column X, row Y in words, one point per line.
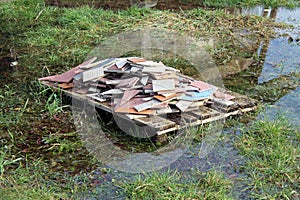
column 157, row 122
column 204, row 113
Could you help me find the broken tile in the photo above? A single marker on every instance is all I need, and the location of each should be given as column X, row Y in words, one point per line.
column 147, row 98
column 153, row 69
column 127, row 83
column 221, row 95
column 152, row 64
column 66, row 85
column 128, row 94
column 147, row 105
column 196, row 96
column 121, row 63
column 202, row 85
column 163, row 98
column 113, row 91
column 92, row 74
column 135, row 69
column 224, row 102
column 98, row 85
column 62, row 78
column 164, row 75
column 163, row 111
column 148, row 87
column 183, row 105
column 168, row 94
column 79, row 71
column 166, row 84
column 133, row 111
column 136, row 59
column 160, row 106
column 101, row 63
column 131, row 103
column 93, row 89
column 112, row 82
column 144, row 80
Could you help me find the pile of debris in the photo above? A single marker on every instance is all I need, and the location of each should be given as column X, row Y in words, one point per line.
column 138, row 86
column 149, row 92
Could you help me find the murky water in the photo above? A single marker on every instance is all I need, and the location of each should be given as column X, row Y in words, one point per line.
column 280, row 72
column 282, row 60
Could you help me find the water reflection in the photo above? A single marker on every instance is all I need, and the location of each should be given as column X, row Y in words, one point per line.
column 281, row 68
column 289, row 105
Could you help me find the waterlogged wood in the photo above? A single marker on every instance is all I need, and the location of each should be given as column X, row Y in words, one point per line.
column 205, row 113
column 157, row 122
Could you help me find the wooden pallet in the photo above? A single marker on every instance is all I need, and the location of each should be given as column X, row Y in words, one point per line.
column 162, row 125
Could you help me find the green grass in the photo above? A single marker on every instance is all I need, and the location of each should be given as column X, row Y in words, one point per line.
column 247, row 3
column 39, row 140
column 271, row 148
column 171, row 185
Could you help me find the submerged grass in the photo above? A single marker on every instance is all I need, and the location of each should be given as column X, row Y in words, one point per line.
column 171, row 185
column 271, row 148
column 39, row 146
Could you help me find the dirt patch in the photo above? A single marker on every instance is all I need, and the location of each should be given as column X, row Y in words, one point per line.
column 124, row 4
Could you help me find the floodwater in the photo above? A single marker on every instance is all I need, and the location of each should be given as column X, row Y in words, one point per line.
column 282, row 63
column 280, row 72
column 276, row 83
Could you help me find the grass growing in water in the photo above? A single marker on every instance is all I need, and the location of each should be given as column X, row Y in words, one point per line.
column 271, row 148
column 60, row 38
column 171, row 185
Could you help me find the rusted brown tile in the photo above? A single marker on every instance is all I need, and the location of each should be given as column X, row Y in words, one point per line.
column 62, row 78
column 136, row 60
column 133, row 111
column 163, row 98
column 66, row 85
